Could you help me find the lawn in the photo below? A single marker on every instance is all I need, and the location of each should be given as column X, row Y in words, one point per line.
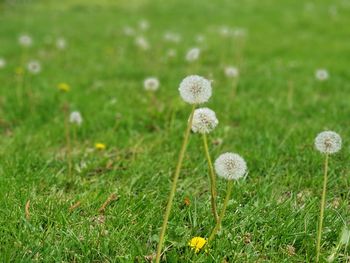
column 49, row 214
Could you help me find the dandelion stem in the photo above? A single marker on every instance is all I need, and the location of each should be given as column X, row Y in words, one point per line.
column 211, row 178
column 222, row 214
column 173, row 187
column 323, row 201
column 68, row 140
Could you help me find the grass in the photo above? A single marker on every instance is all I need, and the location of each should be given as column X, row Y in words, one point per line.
column 278, row 110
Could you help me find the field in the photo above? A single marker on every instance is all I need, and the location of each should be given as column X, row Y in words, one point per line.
column 271, row 118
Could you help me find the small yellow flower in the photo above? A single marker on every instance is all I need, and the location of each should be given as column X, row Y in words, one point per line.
column 63, row 87
column 197, row 243
column 100, row 146
column 19, row 71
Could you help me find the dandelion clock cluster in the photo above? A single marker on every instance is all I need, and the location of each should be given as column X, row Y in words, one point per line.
column 151, row 84
column 193, row 54
column 321, row 74
column 34, row 67
column 204, row 120
column 328, row 142
column 25, row 40
column 2, row 63
column 195, row 89
column 230, row 166
column 75, row 118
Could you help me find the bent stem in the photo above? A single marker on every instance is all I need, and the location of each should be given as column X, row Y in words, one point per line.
column 222, row 214
column 211, row 178
column 323, row 201
column 173, row 186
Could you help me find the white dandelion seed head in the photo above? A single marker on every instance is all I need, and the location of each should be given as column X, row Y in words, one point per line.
column 328, row 142
column 144, row 25
column 61, row 43
column 172, row 37
column 321, row 74
column 200, row 38
column 195, row 89
column 204, row 120
column 25, row 40
column 34, row 67
column 128, row 31
column 230, row 166
column 2, row 62
column 193, row 54
column 142, row 43
column 151, row 84
column 76, row 118
column 231, row 72
column 224, row 31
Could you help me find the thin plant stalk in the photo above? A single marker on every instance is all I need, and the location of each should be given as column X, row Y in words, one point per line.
column 68, row 140
column 323, row 201
column 212, row 179
column 222, row 214
column 173, row 186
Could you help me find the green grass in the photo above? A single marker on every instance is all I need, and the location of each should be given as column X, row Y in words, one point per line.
column 272, row 122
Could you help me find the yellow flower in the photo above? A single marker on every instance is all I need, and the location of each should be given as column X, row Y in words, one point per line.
column 100, row 146
column 197, row 243
column 63, row 87
column 19, row 71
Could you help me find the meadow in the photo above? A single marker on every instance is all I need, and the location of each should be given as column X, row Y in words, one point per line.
column 270, row 114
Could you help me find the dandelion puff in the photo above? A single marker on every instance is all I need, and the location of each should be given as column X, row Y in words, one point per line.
column 75, row 118
column 204, row 120
column 128, row 31
column 328, row 142
column 231, row 72
column 142, row 43
column 34, row 67
column 172, row 37
column 230, row 166
column 193, row 54
column 61, row 43
column 225, row 31
column 2, row 63
column 151, row 84
column 321, row 74
column 195, row 89
column 25, row 40
column 200, row 38
column 144, row 25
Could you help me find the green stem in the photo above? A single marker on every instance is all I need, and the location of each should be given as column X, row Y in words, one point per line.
column 323, row 201
column 68, row 139
column 218, row 224
column 173, row 187
column 211, row 178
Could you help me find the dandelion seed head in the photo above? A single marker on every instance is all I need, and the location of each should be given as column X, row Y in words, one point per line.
column 128, row 31
column 172, row 37
column 321, row 74
column 231, row 72
column 34, row 67
column 2, row 63
column 204, row 120
column 195, row 89
column 328, row 142
column 25, row 40
column 61, row 43
column 75, row 118
column 193, row 54
column 144, row 25
column 230, row 166
column 142, row 43
column 151, row 84
column 197, row 243
column 171, row 53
